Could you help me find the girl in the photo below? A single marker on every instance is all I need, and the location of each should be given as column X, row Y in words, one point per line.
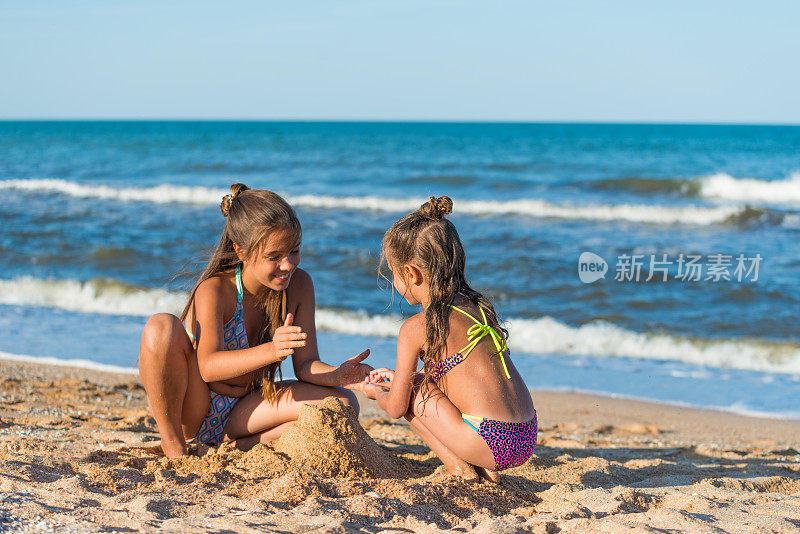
column 212, row 373
column 466, row 364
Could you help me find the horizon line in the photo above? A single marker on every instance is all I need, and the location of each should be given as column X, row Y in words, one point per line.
column 402, row 121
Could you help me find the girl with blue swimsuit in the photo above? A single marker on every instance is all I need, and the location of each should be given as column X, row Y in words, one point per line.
column 470, row 406
column 214, row 374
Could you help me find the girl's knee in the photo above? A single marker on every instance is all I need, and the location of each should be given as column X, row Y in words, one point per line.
column 161, row 332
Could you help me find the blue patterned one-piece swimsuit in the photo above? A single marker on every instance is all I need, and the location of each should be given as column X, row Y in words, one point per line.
column 235, row 338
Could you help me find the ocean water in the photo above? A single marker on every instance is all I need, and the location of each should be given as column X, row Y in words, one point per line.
column 99, row 220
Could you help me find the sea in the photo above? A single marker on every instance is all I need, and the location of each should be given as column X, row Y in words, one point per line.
column 646, row 261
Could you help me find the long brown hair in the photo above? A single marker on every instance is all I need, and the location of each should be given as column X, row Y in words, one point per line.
column 432, row 242
column 251, row 216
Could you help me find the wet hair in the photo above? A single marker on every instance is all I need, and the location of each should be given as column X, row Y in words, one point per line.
column 432, row 243
column 252, row 215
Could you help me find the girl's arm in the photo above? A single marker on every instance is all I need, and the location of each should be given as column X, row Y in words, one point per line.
column 395, row 401
column 214, row 361
column 305, row 360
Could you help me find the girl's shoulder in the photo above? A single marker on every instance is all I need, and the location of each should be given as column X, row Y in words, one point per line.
column 464, row 315
column 414, row 327
column 301, row 286
column 465, row 306
column 220, row 287
column 300, row 280
column 300, row 291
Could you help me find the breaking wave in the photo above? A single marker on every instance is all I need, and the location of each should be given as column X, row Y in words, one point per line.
column 720, row 186
column 544, row 335
column 725, row 187
column 637, row 213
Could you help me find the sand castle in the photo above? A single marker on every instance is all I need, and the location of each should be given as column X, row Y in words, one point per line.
column 329, row 441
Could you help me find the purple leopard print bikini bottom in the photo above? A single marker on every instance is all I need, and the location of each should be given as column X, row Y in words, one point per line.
column 512, row 444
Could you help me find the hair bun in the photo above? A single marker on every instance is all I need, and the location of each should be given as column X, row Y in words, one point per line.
column 437, row 208
column 227, row 200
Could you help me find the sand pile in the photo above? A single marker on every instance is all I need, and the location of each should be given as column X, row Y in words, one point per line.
column 328, row 440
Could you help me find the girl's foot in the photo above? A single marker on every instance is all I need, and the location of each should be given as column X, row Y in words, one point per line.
column 462, row 469
column 467, row 474
column 173, row 448
column 487, row 474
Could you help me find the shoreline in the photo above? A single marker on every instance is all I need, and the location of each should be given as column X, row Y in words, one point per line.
column 74, row 457
column 94, row 367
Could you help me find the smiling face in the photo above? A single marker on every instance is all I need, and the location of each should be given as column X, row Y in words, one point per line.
column 273, row 263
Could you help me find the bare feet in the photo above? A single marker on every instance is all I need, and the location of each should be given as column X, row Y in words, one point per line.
column 462, row 470
column 173, row 448
column 487, row 474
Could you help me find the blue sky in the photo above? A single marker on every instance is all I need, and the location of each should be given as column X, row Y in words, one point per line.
column 678, row 61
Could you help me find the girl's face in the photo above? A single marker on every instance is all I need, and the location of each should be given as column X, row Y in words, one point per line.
column 410, row 283
column 274, row 262
column 401, row 286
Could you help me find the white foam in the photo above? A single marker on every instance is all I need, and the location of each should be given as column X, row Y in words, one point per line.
column 791, row 221
column 161, row 194
column 530, row 336
column 358, row 323
column 537, row 208
column 547, row 335
column 638, row 213
column 102, row 296
column 84, row 364
column 723, row 186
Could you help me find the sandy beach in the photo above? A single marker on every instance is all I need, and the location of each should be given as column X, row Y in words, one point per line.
column 74, row 457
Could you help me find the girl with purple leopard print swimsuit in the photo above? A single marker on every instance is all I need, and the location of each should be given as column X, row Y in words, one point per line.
column 424, row 254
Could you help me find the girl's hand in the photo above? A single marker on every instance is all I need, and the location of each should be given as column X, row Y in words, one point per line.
column 382, row 376
column 352, row 372
column 286, row 339
column 371, row 391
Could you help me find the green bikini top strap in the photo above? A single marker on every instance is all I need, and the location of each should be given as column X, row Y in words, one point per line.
column 479, row 331
column 239, row 291
column 468, row 314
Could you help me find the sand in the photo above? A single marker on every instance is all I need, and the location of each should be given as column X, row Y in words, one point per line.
column 75, row 457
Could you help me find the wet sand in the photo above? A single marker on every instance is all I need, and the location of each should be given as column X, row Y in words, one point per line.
column 74, row 458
